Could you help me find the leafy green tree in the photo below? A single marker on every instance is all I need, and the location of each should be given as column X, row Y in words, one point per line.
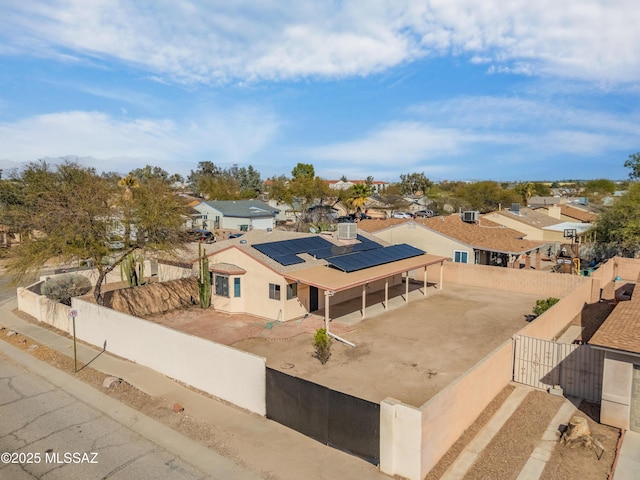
column 301, row 191
column 206, row 170
column 601, row 186
column 71, row 214
column 485, row 196
column 392, row 197
column 303, row 170
column 414, row 183
column 633, row 163
column 619, row 226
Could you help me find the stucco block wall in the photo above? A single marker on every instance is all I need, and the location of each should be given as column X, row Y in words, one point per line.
column 447, row 415
column 44, row 310
column 626, row 268
column 552, row 322
column 400, row 439
column 510, row 279
column 227, row 373
column 616, row 389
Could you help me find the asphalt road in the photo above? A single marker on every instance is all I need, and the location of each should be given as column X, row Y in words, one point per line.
column 47, row 433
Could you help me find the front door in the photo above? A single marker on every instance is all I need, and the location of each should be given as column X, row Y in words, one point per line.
column 313, row 299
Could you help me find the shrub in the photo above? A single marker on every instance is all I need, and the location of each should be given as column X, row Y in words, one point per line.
column 544, row 304
column 63, row 287
column 322, row 344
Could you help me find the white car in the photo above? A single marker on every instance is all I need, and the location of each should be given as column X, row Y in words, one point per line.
column 402, row 215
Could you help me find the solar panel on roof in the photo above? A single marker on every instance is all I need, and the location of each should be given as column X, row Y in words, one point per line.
column 371, row 258
column 285, row 251
column 289, row 259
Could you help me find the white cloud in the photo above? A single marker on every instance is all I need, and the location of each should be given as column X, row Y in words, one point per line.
column 451, row 137
column 219, row 41
column 235, row 137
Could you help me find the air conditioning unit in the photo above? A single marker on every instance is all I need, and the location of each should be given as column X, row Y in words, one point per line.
column 470, row 216
column 347, row 231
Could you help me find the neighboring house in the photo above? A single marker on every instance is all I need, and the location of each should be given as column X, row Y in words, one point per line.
column 236, row 214
column 286, row 275
column 376, row 186
column 482, row 242
column 619, row 337
column 536, row 225
column 569, row 213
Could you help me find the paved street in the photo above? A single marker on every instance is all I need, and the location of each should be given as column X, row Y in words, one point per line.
column 53, row 435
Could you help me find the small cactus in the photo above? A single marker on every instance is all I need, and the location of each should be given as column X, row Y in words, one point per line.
column 204, row 278
column 132, row 270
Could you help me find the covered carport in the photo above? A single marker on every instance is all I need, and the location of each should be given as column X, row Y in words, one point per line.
column 332, row 280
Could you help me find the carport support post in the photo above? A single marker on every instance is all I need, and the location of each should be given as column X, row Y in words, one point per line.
column 424, row 289
column 326, row 310
column 364, row 299
column 386, row 293
column 406, row 287
column 441, row 269
column 537, row 259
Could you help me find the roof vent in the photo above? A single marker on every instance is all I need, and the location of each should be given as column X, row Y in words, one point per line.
column 470, row 216
column 347, row 231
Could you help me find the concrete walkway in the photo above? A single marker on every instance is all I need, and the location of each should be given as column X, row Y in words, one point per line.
column 628, row 466
column 275, row 451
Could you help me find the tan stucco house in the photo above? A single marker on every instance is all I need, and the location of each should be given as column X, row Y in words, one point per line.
column 537, row 226
column 480, row 242
column 285, row 275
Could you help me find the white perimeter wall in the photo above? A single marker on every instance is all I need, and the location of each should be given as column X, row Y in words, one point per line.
column 43, row 309
column 232, row 375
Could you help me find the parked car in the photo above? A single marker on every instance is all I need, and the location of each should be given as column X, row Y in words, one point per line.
column 345, row 219
column 402, row 215
column 200, row 235
column 235, row 235
column 424, row 213
column 363, row 216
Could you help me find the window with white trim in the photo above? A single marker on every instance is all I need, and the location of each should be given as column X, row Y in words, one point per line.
column 460, row 256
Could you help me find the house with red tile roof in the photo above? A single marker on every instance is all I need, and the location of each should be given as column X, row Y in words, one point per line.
column 480, row 242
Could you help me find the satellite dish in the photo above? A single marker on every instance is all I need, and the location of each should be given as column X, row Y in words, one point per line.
column 313, row 230
column 498, row 260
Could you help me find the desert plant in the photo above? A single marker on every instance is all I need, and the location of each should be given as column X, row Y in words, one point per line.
column 544, row 304
column 132, row 270
column 322, row 344
column 63, row 287
column 204, row 278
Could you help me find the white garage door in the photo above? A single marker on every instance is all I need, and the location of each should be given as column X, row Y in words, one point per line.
column 262, row 223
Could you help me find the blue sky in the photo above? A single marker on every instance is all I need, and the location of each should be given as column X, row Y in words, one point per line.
column 457, row 89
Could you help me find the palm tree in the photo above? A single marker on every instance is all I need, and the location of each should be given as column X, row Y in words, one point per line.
column 359, row 194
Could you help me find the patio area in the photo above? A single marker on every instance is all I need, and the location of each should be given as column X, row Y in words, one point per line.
column 408, row 352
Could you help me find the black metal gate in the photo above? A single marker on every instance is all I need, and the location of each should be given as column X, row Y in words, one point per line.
column 342, row 421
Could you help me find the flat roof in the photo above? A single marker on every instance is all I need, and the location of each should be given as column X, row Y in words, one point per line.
column 334, row 280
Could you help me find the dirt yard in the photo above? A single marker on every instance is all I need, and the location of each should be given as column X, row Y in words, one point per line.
column 410, row 353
